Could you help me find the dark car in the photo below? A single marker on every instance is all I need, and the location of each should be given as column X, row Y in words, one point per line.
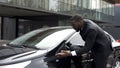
column 37, row 48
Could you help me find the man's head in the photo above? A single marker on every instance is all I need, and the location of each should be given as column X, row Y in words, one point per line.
column 77, row 22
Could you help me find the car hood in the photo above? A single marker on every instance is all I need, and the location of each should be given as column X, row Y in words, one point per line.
column 6, row 52
column 13, row 55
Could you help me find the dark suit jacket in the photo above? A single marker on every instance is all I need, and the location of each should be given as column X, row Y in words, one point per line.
column 95, row 39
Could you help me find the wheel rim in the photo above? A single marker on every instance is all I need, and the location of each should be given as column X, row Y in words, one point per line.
column 117, row 64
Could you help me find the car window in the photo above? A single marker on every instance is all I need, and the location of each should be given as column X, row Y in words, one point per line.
column 33, row 37
column 43, row 39
column 55, row 39
column 76, row 39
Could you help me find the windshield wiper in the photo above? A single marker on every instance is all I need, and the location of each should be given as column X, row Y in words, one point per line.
column 22, row 46
column 27, row 46
column 14, row 45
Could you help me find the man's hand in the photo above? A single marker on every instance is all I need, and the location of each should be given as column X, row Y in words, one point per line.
column 63, row 53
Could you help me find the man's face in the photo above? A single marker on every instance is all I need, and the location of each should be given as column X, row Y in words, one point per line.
column 77, row 25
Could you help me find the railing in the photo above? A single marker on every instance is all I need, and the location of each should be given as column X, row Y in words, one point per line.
column 58, row 6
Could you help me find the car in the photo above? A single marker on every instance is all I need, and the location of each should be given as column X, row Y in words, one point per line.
column 118, row 40
column 37, row 48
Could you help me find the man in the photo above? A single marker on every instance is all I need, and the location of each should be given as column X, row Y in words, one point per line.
column 96, row 41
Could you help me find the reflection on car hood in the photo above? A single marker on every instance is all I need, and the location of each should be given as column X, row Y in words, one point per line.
column 6, row 52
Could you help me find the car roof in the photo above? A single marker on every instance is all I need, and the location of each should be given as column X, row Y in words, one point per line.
column 56, row 27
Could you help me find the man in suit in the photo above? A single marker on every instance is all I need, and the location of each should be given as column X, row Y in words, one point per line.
column 96, row 41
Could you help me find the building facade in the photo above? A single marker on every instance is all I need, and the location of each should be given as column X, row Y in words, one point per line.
column 0, row 26
column 22, row 16
column 93, row 9
column 41, row 4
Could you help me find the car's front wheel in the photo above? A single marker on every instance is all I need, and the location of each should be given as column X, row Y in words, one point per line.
column 116, row 63
column 114, row 60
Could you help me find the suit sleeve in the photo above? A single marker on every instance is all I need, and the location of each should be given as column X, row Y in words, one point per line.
column 89, row 42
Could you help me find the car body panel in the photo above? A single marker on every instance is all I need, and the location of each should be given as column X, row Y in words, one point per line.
column 115, row 44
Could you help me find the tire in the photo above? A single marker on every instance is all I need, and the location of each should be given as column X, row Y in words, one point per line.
column 114, row 60
column 116, row 63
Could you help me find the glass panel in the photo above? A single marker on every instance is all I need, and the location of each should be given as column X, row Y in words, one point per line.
column 33, row 37
column 39, row 38
column 98, row 8
column 55, row 39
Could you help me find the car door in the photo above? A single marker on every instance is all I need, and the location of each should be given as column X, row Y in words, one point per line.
column 50, row 58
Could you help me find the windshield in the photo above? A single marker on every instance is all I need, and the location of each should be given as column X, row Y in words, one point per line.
column 33, row 38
